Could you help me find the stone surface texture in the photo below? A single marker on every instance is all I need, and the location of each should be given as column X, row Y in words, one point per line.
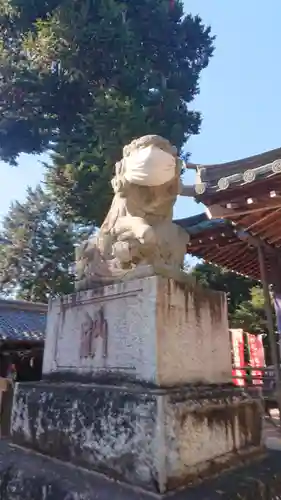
column 208, row 431
column 138, row 229
column 26, row 476
column 137, row 386
column 157, row 439
column 153, row 329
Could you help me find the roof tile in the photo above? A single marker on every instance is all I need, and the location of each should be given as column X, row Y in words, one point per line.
column 22, row 325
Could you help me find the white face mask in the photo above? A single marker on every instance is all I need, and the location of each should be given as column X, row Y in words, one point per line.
column 150, row 166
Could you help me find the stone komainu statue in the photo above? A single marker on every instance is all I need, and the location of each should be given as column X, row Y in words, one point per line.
column 138, row 230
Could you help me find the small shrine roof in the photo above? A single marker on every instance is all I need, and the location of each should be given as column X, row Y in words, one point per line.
column 22, row 321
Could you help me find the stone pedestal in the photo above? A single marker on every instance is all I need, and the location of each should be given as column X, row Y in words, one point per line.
column 153, row 329
column 137, row 386
column 157, row 439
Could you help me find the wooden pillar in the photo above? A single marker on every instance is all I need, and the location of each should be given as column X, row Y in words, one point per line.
column 270, row 326
column 275, row 279
column 277, row 303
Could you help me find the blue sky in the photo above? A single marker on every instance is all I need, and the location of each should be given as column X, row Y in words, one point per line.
column 240, row 96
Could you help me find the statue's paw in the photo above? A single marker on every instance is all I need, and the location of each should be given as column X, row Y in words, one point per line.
column 122, row 251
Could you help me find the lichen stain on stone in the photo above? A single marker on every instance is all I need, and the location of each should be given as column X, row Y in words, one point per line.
column 214, row 468
column 109, row 431
column 250, row 423
column 163, row 304
column 201, row 298
column 166, row 301
column 168, row 295
column 20, row 422
column 215, row 416
column 223, row 417
column 244, row 418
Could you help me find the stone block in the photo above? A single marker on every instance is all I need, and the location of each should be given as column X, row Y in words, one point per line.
column 154, row 329
column 155, row 438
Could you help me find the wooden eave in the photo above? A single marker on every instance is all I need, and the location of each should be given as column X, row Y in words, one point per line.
column 218, row 177
column 247, row 192
column 222, row 243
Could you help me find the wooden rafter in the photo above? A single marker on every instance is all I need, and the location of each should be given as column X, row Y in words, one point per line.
column 226, row 260
column 249, row 226
column 276, row 240
column 266, row 225
column 212, row 237
column 219, row 211
column 237, row 262
column 236, row 251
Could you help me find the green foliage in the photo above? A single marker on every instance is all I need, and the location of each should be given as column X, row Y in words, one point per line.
column 37, row 263
column 245, row 297
column 250, row 314
column 84, row 77
column 237, row 288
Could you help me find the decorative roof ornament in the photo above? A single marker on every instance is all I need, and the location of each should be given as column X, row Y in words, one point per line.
column 276, row 166
column 223, row 183
column 200, row 188
column 249, row 176
column 236, row 174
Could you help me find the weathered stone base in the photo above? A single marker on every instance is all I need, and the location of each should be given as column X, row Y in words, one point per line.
column 157, row 439
column 28, row 476
column 157, row 330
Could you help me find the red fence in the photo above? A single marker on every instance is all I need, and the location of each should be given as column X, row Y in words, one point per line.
column 240, row 342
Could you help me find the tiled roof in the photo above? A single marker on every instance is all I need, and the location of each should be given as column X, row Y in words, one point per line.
column 246, row 192
column 22, row 321
column 217, row 178
column 197, row 223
